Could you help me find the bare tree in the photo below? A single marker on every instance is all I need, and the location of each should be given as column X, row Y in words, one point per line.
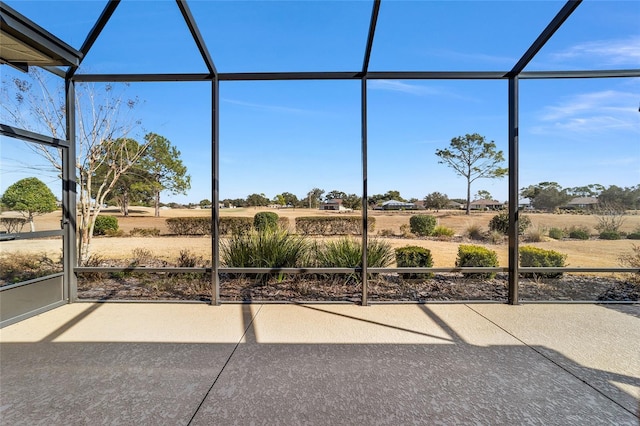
column 104, row 118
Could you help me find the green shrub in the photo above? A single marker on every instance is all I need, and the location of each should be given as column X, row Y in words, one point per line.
column 635, row 235
column 500, row 223
column 265, row 220
column 579, row 233
column 556, row 233
column 443, row 232
column 105, row 224
column 234, row 225
column 189, row 225
column 422, row 224
column 540, row 258
column 610, row 235
column 414, row 257
column 332, row 225
column 478, row 256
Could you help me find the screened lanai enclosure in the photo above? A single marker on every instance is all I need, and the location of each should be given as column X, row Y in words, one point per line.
column 340, row 103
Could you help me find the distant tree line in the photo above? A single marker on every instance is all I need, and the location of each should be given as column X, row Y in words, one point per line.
column 551, row 195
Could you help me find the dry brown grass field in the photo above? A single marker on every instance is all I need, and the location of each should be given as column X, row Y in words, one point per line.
column 591, row 253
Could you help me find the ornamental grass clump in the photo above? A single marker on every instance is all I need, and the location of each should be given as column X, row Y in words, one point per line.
column 270, row 248
column 347, row 253
column 443, row 233
column 476, row 256
column 475, row 232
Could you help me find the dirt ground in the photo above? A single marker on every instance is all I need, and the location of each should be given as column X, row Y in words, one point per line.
column 591, row 253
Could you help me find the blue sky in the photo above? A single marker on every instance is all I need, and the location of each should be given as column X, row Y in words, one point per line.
column 294, row 136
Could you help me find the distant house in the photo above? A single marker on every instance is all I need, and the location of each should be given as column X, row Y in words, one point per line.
column 454, row 205
column 525, row 204
column 398, row 205
column 420, row 204
column 486, row 205
column 334, row 205
column 582, row 203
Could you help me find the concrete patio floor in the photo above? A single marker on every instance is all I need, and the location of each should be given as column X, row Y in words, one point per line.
column 179, row 364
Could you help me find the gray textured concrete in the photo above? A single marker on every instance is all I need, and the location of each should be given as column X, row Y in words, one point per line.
column 322, row 364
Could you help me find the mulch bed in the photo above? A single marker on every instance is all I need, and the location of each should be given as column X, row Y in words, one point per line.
column 384, row 287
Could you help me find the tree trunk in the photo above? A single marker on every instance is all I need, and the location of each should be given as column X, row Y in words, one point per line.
column 31, row 223
column 157, row 203
column 125, row 203
column 468, row 197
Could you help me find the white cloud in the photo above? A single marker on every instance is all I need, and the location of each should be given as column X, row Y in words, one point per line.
column 416, row 89
column 475, row 57
column 592, row 112
column 399, row 86
column 266, row 107
column 609, row 52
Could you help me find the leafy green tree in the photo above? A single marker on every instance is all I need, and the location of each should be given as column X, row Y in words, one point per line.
column 205, row 204
column 286, row 199
column 393, row 195
column 235, row 202
column 349, row 201
column 436, row 201
column 257, row 200
column 335, row 195
column 133, row 186
column 387, row 196
column 628, row 198
column 546, row 195
column 162, row 161
column 483, row 195
column 591, row 190
column 31, row 197
column 352, row 201
column 473, row 158
column 314, row 197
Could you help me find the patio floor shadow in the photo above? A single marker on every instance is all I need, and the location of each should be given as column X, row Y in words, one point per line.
column 117, row 363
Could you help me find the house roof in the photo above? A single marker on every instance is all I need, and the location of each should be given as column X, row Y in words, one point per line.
column 583, row 200
column 397, row 203
column 486, row 202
